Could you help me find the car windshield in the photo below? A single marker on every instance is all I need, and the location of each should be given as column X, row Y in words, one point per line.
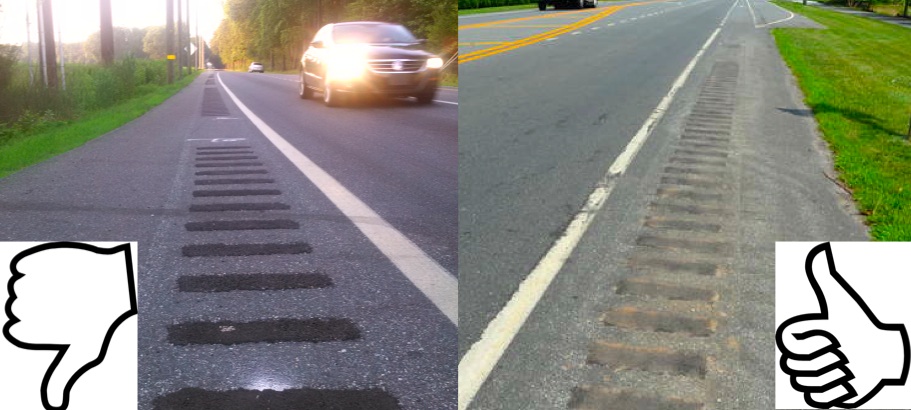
column 371, row 34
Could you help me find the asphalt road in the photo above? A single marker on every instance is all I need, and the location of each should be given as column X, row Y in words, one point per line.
column 310, row 308
column 669, row 292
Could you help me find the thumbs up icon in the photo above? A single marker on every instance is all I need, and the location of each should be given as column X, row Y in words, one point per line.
column 68, row 297
column 842, row 355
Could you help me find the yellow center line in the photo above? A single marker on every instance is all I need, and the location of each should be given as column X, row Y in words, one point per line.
column 481, row 43
column 543, row 16
column 537, row 38
column 528, row 26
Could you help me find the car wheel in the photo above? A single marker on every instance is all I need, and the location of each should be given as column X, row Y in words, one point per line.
column 542, row 5
column 330, row 96
column 305, row 92
column 426, row 97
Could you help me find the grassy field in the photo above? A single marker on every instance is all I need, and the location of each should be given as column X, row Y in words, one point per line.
column 60, row 136
column 857, row 79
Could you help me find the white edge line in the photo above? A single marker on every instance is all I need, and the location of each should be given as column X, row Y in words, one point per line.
column 750, row 6
column 426, row 274
column 476, row 365
column 446, row 102
column 791, row 15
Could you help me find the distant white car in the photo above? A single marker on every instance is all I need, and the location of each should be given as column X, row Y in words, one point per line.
column 255, row 67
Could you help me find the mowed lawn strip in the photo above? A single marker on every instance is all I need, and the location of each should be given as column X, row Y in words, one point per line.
column 856, row 76
column 34, row 148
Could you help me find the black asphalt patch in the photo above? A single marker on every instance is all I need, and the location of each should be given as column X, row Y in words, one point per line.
column 229, row 164
column 242, row 225
column 210, row 152
column 251, row 206
column 290, row 399
column 220, row 249
column 233, row 172
column 234, row 181
column 263, row 331
column 235, row 192
column 228, row 158
column 225, row 147
column 253, row 281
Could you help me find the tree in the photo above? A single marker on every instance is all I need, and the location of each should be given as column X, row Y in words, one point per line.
column 155, row 43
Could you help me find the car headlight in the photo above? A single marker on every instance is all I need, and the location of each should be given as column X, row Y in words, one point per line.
column 347, row 64
column 434, row 62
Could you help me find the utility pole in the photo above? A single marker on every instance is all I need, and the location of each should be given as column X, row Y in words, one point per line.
column 28, row 42
column 169, row 33
column 179, row 40
column 189, row 54
column 106, row 33
column 62, row 63
column 50, row 57
column 42, row 64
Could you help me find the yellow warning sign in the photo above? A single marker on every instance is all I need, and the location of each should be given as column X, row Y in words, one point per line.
column 172, row 57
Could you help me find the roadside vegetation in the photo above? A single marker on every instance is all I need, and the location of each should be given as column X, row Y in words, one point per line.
column 884, row 7
column 493, row 9
column 480, row 4
column 855, row 77
column 38, row 123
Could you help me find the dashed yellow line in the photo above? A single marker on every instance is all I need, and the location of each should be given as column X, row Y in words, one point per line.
column 537, row 38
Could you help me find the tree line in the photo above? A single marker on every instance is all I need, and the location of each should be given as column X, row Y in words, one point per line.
column 275, row 31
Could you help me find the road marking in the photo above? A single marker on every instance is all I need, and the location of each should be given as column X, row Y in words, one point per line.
column 610, row 24
column 217, row 139
column 426, row 274
column 575, row 33
column 476, row 365
column 527, row 26
column 749, row 6
column 513, row 20
column 512, row 45
column 225, row 118
column 595, row 28
column 481, row 43
column 446, row 102
column 790, row 16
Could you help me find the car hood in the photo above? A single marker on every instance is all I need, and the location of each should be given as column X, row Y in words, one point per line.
column 395, row 53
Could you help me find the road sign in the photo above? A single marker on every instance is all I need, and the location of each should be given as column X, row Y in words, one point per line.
column 172, row 57
column 192, row 48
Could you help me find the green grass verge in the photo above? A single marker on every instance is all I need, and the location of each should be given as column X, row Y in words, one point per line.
column 529, row 6
column 855, row 78
column 449, row 79
column 42, row 145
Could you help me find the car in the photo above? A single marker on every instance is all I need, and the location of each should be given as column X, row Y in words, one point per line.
column 366, row 57
column 255, row 67
column 577, row 4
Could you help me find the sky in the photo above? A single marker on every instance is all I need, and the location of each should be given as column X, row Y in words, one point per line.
column 80, row 18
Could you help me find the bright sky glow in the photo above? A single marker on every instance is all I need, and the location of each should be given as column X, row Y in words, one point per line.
column 80, row 18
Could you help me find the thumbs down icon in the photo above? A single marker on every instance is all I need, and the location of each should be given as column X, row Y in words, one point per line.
column 70, row 298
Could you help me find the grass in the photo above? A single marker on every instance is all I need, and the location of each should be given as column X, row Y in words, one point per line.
column 35, row 147
column 856, row 78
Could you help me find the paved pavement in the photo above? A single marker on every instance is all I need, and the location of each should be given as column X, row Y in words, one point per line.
column 666, row 301
column 255, row 289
